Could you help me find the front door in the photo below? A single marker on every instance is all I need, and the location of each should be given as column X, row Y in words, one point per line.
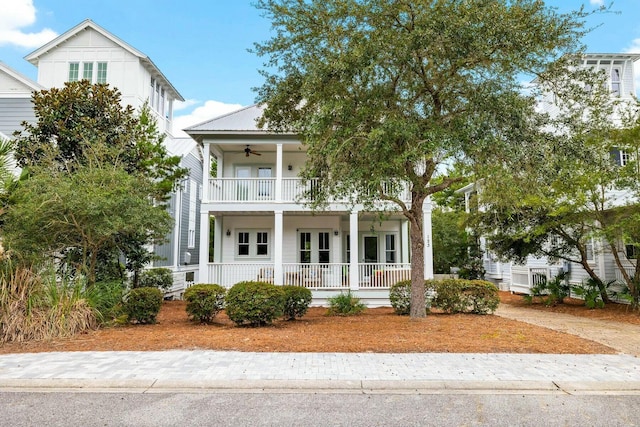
column 371, row 249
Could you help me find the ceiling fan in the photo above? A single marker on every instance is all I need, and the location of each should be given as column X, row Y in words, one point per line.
column 248, row 151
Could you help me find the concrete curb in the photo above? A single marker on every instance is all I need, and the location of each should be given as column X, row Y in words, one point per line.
column 319, row 386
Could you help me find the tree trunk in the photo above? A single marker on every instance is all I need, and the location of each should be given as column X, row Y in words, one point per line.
column 418, row 304
column 596, row 279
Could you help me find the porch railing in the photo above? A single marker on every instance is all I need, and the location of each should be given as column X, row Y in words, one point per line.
column 313, row 276
column 523, row 278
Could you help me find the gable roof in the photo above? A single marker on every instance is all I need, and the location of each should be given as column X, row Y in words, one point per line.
column 19, row 77
column 34, row 56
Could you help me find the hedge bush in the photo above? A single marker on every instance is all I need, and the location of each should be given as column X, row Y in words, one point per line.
column 204, row 301
column 449, row 295
column 296, row 301
column 161, row 278
column 400, row 296
column 254, row 303
column 142, row 305
column 345, row 304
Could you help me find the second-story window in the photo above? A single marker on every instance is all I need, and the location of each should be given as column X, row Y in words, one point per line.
column 87, row 71
column 616, row 83
column 152, row 91
column 74, row 69
column 102, row 72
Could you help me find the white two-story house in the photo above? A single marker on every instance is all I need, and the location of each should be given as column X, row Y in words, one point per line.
column 261, row 228
column 619, row 71
column 88, row 51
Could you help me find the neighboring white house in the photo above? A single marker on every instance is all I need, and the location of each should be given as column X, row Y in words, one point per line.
column 619, row 69
column 88, row 51
column 264, row 231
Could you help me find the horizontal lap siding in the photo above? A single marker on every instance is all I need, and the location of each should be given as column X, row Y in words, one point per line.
column 13, row 111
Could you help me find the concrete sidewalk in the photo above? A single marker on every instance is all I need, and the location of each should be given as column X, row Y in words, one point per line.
column 197, row 371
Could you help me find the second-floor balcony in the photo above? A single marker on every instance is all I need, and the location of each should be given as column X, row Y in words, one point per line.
column 285, row 190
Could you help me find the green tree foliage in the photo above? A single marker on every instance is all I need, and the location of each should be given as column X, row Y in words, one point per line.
column 85, row 212
column 450, row 240
column 382, row 90
column 561, row 197
column 84, row 123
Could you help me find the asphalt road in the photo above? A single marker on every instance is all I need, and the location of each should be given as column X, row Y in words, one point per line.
column 90, row 409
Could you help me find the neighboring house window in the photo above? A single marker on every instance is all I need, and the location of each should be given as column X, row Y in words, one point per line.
column 157, row 96
column 631, row 251
column 87, row 71
column 74, row 68
column 616, row 84
column 589, row 251
column 102, row 72
column 161, row 102
column 152, row 92
column 390, row 248
column 624, row 158
column 193, row 195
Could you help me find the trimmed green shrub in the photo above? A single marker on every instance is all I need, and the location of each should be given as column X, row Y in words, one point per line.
column 296, row 301
column 161, row 278
column 481, row 296
column 345, row 304
column 465, row 296
column 142, row 305
column 204, row 301
column 254, row 303
column 400, row 296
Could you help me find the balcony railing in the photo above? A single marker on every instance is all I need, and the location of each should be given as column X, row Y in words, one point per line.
column 293, row 190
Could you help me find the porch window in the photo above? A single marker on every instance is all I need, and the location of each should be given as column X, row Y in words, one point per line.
column 74, row 69
column 589, row 251
column 305, row 247
column 243, row 244
column 390, row 248
column 323, row 248
column 262, row 247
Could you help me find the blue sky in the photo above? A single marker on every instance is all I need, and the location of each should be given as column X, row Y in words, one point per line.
column 201, row 45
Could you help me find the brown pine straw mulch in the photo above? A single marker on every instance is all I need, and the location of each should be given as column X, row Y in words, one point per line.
column 377, row 330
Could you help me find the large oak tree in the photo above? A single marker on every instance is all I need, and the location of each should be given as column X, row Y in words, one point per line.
column 391, row 90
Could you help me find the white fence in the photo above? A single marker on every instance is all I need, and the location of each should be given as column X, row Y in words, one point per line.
column 524, row 278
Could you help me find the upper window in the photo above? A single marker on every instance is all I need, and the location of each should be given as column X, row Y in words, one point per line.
column 102, row 72
column 87, row 71
column 74, row 69
column 616, row 83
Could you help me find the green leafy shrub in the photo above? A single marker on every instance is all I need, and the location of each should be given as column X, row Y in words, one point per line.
column 449, row 295
column 400, row 296
column 345, row 304
column 142, row 305
column 551, row 292
column 296, row 301
column 254, row 303
column 106, row 299
column 481, row 296
column 204, row 301
column 161, row 278
column 590, row 292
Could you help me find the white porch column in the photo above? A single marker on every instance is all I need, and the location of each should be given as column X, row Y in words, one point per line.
column 278, row 172
column 405, row 241
column 203, row 274
column 354, row 271
column 428, row 247
column 278, row 271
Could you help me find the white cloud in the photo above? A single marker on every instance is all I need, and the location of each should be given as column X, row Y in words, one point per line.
column 181, row 105
column 209, row 110
column 597, row 2
column 15, row 15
